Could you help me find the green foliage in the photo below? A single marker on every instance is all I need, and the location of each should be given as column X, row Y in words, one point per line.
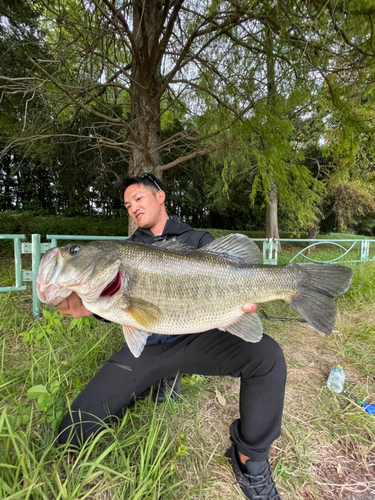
column 343, row 164
column 49, row 402
column 27, row 223
column 266, row 154
column 191, row 379
column 42, row 328
column 82, row 323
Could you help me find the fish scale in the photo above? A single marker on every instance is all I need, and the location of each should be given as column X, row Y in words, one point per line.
column 175, row 290
column 238, row 286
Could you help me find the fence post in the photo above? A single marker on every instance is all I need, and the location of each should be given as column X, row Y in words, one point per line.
column 270, row 251
column 18, row 261
column 365, row 250
column 35, row 260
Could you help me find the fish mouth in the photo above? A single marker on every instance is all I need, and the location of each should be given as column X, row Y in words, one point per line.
column 113, row 286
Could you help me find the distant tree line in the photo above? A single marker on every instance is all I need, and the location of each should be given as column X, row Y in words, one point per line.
column 256, row 114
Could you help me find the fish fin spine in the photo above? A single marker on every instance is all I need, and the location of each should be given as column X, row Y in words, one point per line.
column 236, row 248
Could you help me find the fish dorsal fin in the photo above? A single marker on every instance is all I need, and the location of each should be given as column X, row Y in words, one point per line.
column 172, row 246
column 144, row 313
column 234, row 247
column 135, row 339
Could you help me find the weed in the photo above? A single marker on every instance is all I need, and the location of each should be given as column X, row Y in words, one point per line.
column 40, row 329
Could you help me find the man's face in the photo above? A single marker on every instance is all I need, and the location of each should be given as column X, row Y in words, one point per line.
column 144, row 206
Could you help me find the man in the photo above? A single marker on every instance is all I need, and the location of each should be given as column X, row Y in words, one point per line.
column 260, row 366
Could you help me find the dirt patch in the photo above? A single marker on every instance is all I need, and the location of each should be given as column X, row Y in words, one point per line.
column 342, row 477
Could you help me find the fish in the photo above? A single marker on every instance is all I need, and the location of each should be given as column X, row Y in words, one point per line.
column 172, row 289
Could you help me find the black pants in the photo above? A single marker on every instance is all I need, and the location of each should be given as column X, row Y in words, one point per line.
column 260, row 366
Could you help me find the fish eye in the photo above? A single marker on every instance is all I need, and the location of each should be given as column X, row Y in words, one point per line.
column 74, row 249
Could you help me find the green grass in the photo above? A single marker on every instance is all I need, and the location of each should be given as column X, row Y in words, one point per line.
column 176, row 450
column 39, row 378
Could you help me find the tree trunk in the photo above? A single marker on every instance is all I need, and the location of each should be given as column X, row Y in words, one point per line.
column 312, row 232
column 145, row 84
column 272, row 221
column 146, row 81
column 272, row 228
column 71, row 197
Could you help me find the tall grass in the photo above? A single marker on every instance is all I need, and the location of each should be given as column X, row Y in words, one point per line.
column 176, row 450
column 39, row 378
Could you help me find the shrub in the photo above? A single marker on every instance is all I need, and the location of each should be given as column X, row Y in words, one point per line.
column 28, row 223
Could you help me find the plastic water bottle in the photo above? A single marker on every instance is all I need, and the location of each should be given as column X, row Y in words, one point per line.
column 336, row 379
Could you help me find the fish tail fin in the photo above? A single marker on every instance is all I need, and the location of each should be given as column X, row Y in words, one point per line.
column 318, row 285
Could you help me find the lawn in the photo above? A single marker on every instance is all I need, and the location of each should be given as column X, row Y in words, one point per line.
column 175, row 450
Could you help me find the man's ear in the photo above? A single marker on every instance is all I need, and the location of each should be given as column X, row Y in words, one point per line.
column 160, row 197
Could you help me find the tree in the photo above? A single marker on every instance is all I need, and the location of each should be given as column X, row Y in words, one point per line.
column 301, row 48
column 340, row 156
column 142, row 56
column 137, row 66
column 266, row 153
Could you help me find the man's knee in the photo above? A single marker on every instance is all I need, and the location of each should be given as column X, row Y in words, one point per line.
column 273, row 349
column 265, row 357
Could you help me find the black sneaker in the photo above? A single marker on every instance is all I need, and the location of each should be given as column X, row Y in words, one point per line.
column 254, row 478
column 168, row 387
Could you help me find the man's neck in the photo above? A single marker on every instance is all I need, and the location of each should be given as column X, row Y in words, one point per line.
column 159, row 227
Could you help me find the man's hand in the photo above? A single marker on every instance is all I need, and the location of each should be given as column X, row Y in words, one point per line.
column 248, row 307
column 72, row 306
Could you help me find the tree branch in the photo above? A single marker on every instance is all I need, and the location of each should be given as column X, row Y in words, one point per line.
column 201, row 152
column 79, row 104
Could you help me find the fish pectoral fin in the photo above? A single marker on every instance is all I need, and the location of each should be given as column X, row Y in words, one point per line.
column 248, row 328
column 144, row 313
column 136, row 339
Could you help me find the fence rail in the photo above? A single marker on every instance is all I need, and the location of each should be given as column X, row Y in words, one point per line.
column 362, row 248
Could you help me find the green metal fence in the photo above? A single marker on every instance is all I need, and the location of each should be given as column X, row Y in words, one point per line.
column 17, row 249
column 364, row 251
column 359, row 247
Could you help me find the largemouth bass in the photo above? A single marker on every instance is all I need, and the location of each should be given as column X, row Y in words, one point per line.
column 175, row 290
